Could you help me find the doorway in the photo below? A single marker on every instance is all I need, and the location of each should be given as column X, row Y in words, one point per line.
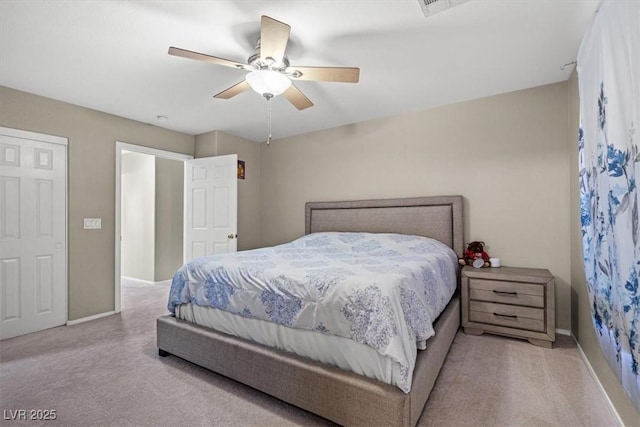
column 146, row 201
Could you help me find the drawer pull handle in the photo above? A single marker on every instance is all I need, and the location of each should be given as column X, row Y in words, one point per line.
column 506, row 315
column 505, row 293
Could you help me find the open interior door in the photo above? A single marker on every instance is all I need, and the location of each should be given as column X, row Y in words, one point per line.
column 211, row 206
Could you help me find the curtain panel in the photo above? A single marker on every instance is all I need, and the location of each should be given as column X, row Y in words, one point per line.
column 608, row 67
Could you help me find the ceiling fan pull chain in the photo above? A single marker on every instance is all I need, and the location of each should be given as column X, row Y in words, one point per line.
column 269, row 120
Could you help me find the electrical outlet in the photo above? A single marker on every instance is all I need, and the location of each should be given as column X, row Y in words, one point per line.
column 92, row 223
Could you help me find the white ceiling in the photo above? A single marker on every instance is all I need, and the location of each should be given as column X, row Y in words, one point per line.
column 112, row 56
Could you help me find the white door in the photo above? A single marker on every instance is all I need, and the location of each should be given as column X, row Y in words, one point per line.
column 33, row 230
column 211, row 206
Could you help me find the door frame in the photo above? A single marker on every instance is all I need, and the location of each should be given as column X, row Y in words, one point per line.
column 60, row 140
column 120, row 147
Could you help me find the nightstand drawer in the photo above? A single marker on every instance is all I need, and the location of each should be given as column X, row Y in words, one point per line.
column 507, row 315
column 506, row 292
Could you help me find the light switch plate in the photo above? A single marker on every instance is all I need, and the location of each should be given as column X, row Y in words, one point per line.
column 92, row 223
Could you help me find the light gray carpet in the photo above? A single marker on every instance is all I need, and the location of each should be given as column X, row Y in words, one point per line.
column 107, row 373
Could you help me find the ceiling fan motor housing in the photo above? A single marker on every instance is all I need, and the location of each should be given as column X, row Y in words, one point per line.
column 268, row 63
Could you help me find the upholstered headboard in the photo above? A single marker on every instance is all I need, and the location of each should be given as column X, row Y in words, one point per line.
column 438, row 217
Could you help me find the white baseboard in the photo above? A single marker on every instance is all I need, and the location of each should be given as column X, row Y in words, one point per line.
column 566, row 332
column 89, row 318
column 598, row 383
column 146, row 282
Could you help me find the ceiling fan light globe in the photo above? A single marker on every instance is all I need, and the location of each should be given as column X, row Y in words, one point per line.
column 268, row 82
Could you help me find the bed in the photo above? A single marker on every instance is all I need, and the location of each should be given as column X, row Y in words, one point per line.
column 341, row 396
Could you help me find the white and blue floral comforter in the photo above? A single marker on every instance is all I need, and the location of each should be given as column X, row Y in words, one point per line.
column 381, row 290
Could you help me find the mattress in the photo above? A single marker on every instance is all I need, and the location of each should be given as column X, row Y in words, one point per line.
column 363, row 302
column 333, row 350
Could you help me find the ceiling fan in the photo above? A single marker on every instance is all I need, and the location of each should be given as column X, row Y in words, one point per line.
column 270, row 73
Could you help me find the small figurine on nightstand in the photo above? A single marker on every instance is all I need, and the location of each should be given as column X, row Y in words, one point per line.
column 475, row 255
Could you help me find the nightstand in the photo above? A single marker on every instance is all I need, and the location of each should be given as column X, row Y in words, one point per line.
column 516, row 302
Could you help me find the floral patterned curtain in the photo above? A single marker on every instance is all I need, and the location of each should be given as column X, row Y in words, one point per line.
column 609, row 161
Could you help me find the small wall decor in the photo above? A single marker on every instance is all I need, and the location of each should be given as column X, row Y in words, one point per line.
column 240, row 169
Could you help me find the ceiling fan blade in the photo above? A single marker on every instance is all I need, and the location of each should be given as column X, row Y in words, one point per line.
column 233, row 90
column 326, row 74
column 274, row 36
column 297, row 98
column 207, row 58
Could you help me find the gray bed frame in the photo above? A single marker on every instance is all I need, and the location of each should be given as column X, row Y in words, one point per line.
column 340, row 396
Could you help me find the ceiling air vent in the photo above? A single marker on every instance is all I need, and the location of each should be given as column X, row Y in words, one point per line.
column 431, row 7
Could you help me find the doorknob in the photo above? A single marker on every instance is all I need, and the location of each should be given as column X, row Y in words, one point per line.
column 230, row 236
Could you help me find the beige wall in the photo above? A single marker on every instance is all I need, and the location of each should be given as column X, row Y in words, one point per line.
column 137, row 224
column 151, row 221
column 169, row 213
column 581, row 322
column 219, row 144
column 92, row 137
column 507, row 155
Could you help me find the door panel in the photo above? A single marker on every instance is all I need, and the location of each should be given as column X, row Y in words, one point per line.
column 33, row 258
column 10, row 277
column 211, row 200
